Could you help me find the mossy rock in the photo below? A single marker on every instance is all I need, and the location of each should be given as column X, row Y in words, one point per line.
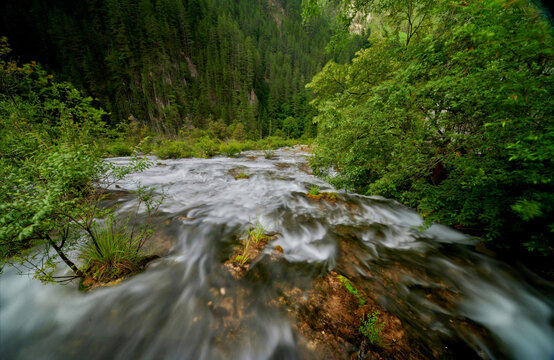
column 331, row 197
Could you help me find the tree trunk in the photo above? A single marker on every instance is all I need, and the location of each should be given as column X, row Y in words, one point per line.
column 65, row 259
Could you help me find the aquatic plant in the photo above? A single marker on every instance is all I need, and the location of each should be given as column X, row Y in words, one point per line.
column 241, row 176
column 269, row 154
column 314, row 190
column 372, row 329
column 114, row 247
column 257, row 232
column 242, row 259
column 114, row 254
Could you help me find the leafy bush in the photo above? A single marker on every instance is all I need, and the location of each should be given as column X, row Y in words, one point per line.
column 50, row 192
column 372, row 329
column 170, row 149
column 230, row 149
column 206, row 147
column 248, row 145
column 455, row 121
column 119, row 149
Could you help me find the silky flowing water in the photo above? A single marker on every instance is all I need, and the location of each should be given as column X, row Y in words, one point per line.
column 455, row 300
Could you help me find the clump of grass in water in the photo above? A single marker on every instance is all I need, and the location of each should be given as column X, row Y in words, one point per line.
column 114, row 249
column 242, row 259
column 269, row 154
column 314, row 190
column 117, row 253
column 244, row 256
column 372, row 329
column 257, row 232
column 241, row 176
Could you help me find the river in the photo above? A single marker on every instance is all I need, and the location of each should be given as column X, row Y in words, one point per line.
column 187, row 305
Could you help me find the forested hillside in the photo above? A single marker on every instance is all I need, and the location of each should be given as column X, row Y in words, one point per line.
column 174, row 64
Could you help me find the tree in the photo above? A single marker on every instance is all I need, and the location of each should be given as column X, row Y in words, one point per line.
column 457, row 123
column 53, row 177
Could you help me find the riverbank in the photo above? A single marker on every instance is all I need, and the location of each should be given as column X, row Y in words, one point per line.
column 199, row 146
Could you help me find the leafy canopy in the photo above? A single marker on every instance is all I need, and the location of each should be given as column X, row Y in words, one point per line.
column 456, row 121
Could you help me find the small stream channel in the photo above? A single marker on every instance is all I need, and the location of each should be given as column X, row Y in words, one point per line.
column 453, row 300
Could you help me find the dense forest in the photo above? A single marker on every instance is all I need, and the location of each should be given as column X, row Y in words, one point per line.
column 173, row 64
column 445, row 106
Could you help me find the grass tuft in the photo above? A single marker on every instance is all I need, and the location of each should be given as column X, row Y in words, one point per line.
column 269, row 154
column 314, row 190
column 241, row 176
column 113, row 254
column 257, row 232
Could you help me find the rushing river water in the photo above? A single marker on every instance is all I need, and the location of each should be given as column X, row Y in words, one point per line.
column 444, row 291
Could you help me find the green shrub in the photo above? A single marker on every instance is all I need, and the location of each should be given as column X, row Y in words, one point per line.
column 230, row 149
column 462, row 132
column 248, row 145
column 119, row 149
column 206, row 147
column 372, row 329
column 275, row 142
column 145, row 145
column 50, row 193
column 170, row 149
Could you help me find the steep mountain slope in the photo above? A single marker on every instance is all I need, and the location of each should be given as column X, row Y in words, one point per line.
column 179, row 63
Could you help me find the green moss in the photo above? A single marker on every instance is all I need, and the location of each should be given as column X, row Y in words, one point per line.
column 241, row 176
column 351, row 289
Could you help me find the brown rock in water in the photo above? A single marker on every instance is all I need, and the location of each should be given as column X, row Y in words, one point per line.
column 282, row 166
column 243, row 255
column 185, row 218
column 328, row 318
column 238, row 172
column 305, row 168
column 331, row 197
